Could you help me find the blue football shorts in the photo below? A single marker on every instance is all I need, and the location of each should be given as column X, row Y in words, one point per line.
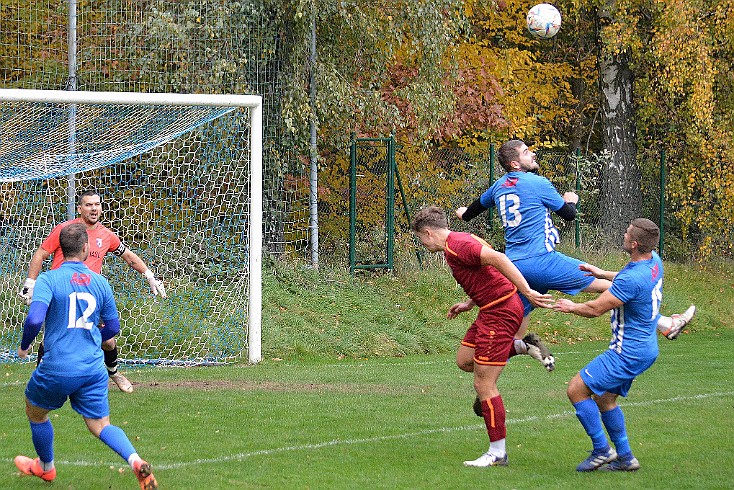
column 552, row 271
column 610, row 372
column 87, row 394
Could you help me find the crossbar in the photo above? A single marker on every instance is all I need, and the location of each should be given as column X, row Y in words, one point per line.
column 128, row 98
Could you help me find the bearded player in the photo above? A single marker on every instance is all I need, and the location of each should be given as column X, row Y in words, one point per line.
column 101, row 241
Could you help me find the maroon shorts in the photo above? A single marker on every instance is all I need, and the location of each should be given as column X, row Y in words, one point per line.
column 492, row 333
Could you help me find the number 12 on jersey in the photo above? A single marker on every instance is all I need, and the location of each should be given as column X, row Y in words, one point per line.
column 75, row 299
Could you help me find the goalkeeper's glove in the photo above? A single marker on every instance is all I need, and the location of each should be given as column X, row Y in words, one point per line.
column 26, row 292
column 156, row 285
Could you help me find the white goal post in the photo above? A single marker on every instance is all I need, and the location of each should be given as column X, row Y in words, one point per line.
column 189, row 164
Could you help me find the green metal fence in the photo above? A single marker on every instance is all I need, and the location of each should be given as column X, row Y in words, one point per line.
column 454, row 177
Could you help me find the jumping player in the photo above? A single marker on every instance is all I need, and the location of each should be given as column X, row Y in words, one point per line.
column 524, row 202
column 101, row 241
column 491, row 281
column 71, row 300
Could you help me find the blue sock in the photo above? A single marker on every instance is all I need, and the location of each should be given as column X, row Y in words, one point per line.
column 588, row 414
column 614, row 422
column 116, row 439
column 43, row 440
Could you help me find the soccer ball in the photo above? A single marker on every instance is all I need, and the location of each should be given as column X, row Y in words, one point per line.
column 544, row 20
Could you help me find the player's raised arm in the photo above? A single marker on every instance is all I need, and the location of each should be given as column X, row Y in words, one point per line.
column 468, row 213
column 568, row 210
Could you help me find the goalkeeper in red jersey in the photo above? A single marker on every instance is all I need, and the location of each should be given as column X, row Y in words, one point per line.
column 492, row 283
column 101, row 241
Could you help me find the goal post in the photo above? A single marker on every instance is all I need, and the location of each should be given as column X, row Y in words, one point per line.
column 180, row 176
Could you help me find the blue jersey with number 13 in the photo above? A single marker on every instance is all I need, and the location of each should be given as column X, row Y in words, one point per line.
column 524, row 202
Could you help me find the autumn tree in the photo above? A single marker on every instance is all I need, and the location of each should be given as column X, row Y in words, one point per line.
column 679, row 54
column 514, row 85
column 621, row 177
column 381, row 67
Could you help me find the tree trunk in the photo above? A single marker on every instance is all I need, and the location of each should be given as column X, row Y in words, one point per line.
column 621, row 198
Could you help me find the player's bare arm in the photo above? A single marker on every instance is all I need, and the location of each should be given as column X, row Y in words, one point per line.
column 591, row 309
column 39, row 257
column 460, row 308
column 132, row 259
column 500, row 261
column 34, row 269
column 597, row 272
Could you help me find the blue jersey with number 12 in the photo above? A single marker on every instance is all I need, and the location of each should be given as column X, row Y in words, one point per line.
column 77, row 299
column 524, row 202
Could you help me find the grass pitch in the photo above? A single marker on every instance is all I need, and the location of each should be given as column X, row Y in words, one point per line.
column 388, row 423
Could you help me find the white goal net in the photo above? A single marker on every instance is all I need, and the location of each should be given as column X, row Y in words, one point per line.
column 180, row 178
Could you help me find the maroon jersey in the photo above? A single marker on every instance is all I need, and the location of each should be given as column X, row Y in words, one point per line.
column 484, row 284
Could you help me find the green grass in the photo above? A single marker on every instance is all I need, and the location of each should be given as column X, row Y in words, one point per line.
column 328, row 314
column 358, row 389
column 389, row 423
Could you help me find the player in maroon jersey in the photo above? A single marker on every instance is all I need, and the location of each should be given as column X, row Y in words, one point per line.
column 492, row 282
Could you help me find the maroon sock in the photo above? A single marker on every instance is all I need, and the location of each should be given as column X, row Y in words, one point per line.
column 494, row 418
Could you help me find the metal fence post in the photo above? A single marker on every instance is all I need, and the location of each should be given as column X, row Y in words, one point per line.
column 352, row 201
column 662, row 202
column 390, row 214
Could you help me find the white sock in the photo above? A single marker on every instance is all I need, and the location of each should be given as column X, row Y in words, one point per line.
column 46, row 466
column 498, row 448
column 133, row 458
column 520, row 346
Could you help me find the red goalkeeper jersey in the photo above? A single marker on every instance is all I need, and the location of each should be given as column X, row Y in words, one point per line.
column 101, row 241
column 484, row 284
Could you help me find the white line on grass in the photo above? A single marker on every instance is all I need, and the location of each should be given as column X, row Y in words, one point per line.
column 12, row 383
column 368, row 440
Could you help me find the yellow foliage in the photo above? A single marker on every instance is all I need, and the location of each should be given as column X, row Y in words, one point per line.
column 679, row 84
column 534, row 91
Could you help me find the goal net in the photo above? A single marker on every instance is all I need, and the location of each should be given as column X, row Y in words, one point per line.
column 180, row 178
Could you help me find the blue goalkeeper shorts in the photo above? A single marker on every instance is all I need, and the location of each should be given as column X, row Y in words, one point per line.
column 552, row 271
column 87, row 394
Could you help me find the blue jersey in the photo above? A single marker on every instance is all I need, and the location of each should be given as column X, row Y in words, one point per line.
column 524, row 202
column 77, row 300
column 639, row 285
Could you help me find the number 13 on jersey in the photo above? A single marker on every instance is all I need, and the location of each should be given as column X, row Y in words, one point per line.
column 509, row 210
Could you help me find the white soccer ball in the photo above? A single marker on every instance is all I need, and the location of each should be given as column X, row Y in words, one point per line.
column 544, row 20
